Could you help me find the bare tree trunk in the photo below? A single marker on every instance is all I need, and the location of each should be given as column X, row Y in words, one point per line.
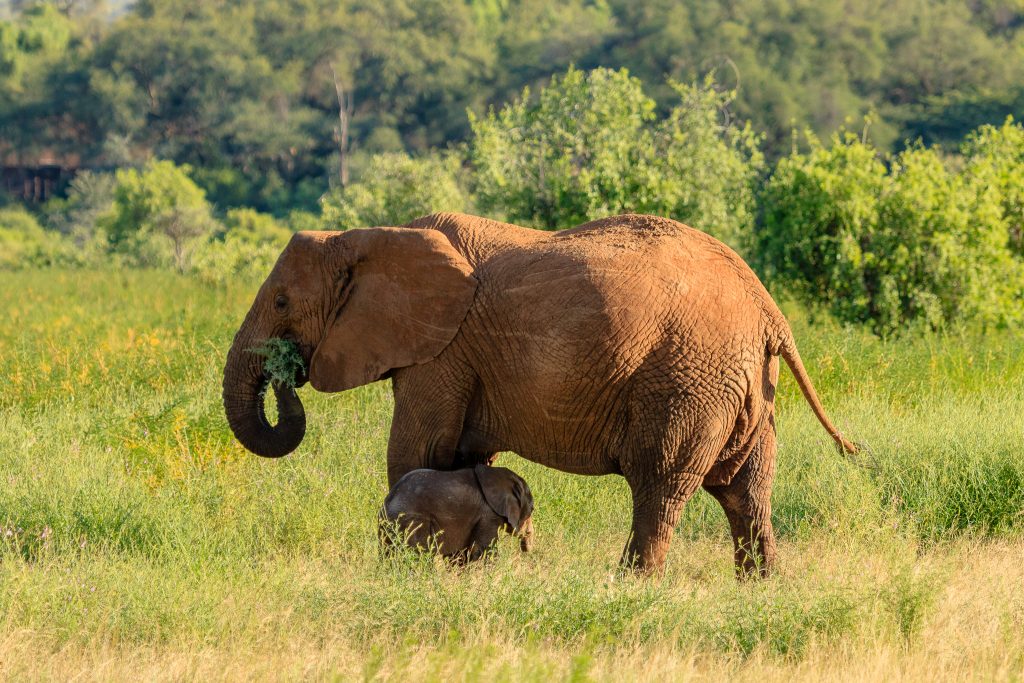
column 179, row 255
column 341, row 134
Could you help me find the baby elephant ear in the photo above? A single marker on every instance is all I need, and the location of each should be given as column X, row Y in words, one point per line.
column 506, row 493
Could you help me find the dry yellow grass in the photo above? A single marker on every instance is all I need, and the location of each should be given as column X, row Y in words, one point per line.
column 973, row 631
column 139, row 541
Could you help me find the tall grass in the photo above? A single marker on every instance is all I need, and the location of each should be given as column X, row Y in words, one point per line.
column 137, row 538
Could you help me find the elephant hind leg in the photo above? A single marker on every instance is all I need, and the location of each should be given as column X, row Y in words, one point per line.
column 420, row 533
column 660, row 490
column 656, row 511
column 747, row 504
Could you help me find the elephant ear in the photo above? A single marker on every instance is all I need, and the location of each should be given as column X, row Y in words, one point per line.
column 402, row 294
column 506, row 493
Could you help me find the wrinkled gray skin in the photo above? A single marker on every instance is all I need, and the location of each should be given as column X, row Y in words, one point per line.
column 459, row 513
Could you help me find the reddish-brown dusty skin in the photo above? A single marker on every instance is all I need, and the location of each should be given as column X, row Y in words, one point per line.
column 631, row 345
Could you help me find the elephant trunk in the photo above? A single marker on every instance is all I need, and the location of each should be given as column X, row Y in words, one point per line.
column 244, row 387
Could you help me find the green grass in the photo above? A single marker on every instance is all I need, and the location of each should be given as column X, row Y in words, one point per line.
column 137, row 538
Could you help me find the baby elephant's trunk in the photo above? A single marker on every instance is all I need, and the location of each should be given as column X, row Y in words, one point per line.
column 526, row 535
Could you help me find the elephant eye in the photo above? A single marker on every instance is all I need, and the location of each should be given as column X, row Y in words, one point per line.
column 281, row 302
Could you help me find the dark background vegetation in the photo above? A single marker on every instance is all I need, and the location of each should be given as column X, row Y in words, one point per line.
column 860, row 155
column 245, row 92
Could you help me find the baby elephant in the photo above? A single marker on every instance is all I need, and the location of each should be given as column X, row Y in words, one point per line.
column 460, row 511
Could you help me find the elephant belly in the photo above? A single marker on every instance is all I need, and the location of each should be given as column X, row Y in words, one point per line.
column 571, row 434
column 573, row 462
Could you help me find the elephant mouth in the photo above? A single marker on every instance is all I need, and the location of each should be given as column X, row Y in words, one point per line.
column 301, row 377
column 293, row 372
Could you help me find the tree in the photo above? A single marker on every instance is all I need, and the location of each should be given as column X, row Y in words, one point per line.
column 158, row 201
column 709, row 165
column 393, row 190
column 998, row 154
column 32, row 52
column 25, row 244
column 244, row 248
column 592, row 145
column 182, row 225
column 90, row 196
column 914, row 243
column 246, row 94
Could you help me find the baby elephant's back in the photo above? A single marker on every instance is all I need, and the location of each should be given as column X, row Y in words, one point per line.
column 438, row 493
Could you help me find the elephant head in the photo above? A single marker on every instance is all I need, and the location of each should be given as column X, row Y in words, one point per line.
column 357, row 304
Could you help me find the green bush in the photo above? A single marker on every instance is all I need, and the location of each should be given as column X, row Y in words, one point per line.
column 998, row 153
column 592, row 145
column 393, row 190
column 158, row 217
column 244, row 248
column 90, row 196
column 234, row 258
column 252, row 226
column 915, row 242
column 25, row 244
column 303, row 220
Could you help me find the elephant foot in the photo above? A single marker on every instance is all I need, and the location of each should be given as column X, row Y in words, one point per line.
column 755, row 560
column 655, row 515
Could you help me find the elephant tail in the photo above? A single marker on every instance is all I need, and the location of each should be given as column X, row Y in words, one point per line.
column 787, row 349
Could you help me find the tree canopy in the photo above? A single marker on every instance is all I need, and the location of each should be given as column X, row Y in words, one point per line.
column 247, row 93
column 593, row 145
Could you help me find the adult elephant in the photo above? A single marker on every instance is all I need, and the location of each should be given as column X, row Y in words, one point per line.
column 631, row 345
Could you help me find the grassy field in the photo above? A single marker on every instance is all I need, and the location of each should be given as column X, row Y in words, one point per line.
column 138, row 540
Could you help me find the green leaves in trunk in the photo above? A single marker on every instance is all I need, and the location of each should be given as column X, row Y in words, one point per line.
column 282, row 361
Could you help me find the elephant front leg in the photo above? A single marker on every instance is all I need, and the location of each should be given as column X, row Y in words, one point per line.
column 747, row 504
column 430, row 406
column 410, row 450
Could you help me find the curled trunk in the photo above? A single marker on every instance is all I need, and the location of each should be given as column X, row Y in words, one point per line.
column 244, row 386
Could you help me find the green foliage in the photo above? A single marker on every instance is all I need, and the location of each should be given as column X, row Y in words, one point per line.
column 578, row 152
column 282, row 361
column 914, row 243
column 949, row 118
column 592, row 146
column 303, row 220
column 247, row 94
column 39, row 38
column 233, row 259
column 708, row 169
column 25, row 244
column 252, row 226
column 160, row 201
column 36, row 49
column 90, row 197
column 997, row 156
column 393, row 190
column 45, row 30
column 243, row 249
